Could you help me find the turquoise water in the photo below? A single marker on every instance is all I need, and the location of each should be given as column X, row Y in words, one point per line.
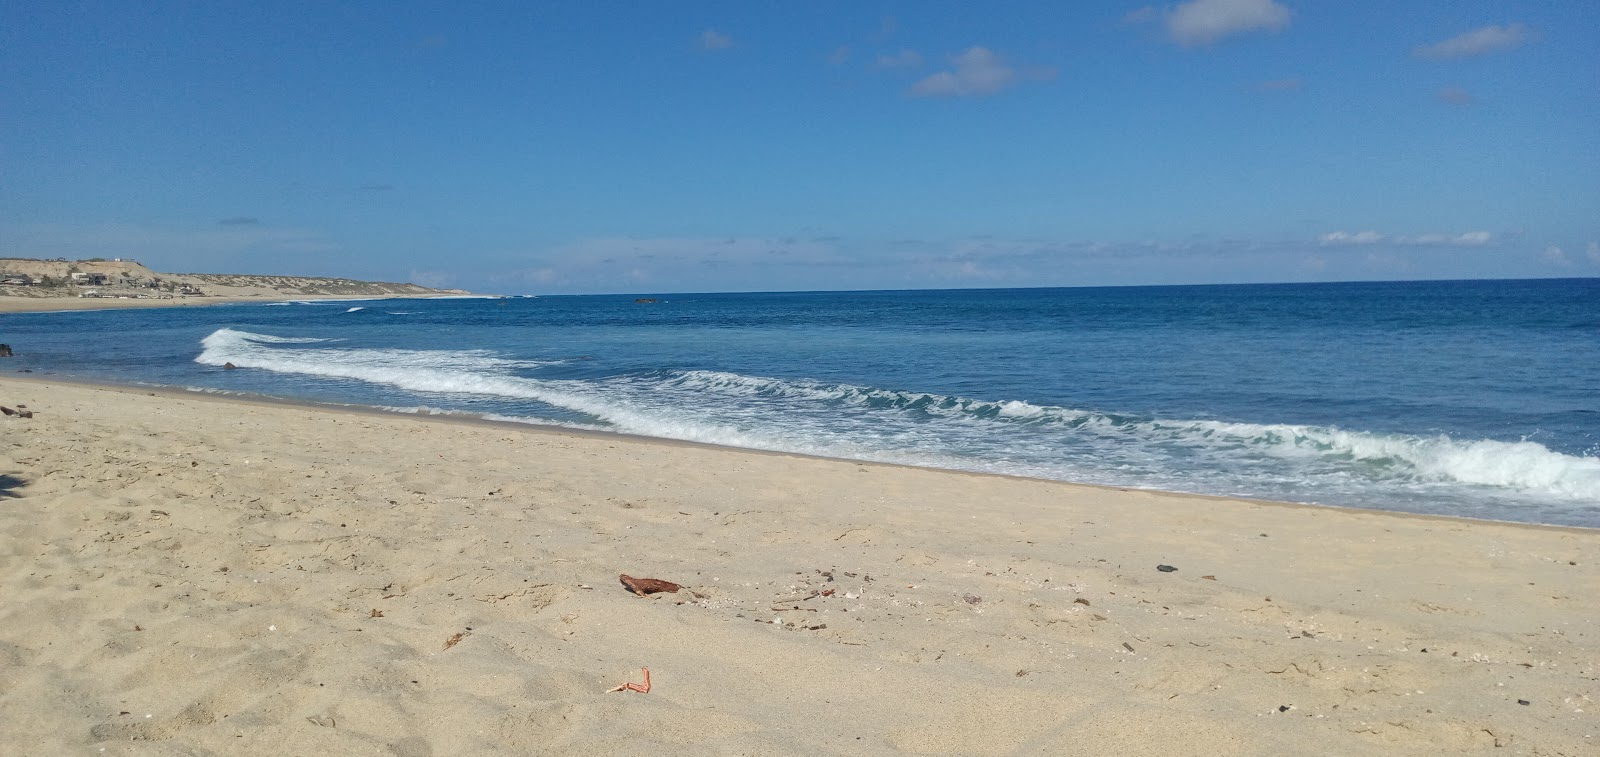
column 1477, row 398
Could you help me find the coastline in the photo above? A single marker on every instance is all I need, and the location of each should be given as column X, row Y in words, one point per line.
column 257, row 576
column 75, row 304
column 471, row 419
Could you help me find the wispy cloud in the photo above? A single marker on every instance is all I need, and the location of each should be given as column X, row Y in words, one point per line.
column 1350, row 237
column 1481, row 41
column 1594, row 252
column 1455, row 96
column 1353, row 238
column 839, row 56
column 904, row 59
column 239, row 221
column 711, row 39
column 977, row 72
column 1556, row 256
column 1204, row 22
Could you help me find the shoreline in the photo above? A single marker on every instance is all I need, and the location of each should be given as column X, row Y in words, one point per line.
column 250, row 576
column 9, row 305
column 550, row 428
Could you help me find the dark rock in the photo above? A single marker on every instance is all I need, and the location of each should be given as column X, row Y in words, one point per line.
column 645, row 301
column 1165, row 568
column 1524, row 702
column 5, row 350
column 1283, row 708
column 229, row 366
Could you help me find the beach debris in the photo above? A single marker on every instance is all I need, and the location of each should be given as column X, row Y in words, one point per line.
column 1081, row 601
column 1021, row 673
column 18, row 413
column 1165, row 568
column 456, row 639
column 1127, row 646
column 647, row 586
column 1209, row 578
column 376, row 613
column 826, row 592
column 1284, row 708
column 1524, row 702
column 642, row 688
column 972, row 599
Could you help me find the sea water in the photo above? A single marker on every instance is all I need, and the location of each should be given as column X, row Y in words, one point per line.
column 1475, row 398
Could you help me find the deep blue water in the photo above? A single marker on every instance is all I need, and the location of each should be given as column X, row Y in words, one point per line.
column 1476, row 398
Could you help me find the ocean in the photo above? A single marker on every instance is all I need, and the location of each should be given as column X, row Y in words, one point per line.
column 1469, row 398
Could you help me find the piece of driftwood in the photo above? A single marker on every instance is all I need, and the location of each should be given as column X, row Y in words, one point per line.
column 646, row 586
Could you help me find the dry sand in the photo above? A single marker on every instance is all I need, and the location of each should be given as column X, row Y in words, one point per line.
column 190, row 575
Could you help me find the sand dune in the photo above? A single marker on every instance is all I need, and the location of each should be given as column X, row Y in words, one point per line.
column 195, row 575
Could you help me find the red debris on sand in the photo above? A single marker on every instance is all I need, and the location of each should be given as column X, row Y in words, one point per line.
column 642, row 688
column 646, row 586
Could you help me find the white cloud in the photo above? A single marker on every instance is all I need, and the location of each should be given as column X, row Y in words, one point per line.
column 978, row 72
column 1202, row 22
column 1347, row 237
column 902, row 59
column 711, row 39
column 1594, row 252
column 1489, row 39
column 1555, row 256
column 1465, row 239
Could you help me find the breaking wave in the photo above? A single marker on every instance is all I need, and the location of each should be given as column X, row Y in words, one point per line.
column 1279, row 461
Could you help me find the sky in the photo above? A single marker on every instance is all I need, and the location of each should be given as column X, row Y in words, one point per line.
column 640, row 147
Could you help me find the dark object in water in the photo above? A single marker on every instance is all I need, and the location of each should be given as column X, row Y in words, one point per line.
column 1165, row 568
column 646, row 586
column 5, row 350
column 229, row 366
column 645, row 301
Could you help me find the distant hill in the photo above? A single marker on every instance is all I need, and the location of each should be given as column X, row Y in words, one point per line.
column 27, row 277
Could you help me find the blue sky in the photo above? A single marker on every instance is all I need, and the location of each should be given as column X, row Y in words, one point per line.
column 658, row 147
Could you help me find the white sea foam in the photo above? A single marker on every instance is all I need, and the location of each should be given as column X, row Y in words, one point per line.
column 352, row 310
column 1011, row 436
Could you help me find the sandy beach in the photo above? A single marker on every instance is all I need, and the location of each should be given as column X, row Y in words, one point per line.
column 201, row 575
